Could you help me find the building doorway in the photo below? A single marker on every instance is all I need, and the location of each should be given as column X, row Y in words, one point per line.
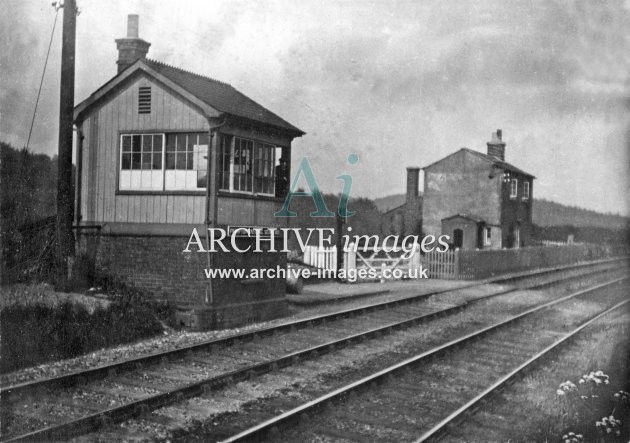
column 514, row 237
column 458, row 238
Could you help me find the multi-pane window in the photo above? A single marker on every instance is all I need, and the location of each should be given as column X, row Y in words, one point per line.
column 264, row 164
column 242, row 167
column 513, row 188
column 186, row 161
column 247, row 166
column 525, row 190
column 163, row 162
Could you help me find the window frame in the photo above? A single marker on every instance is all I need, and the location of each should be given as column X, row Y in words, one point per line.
column 487, row 236
column 162, row 187
column 513, row 188
column 258, row 161
column 526, row 190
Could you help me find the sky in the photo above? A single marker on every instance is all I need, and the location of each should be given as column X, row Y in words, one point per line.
column 399, row 83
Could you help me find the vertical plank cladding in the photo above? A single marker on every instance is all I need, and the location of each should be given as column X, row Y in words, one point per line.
column 93, row 149
column 118, row 115
column 103, row 135
column 86, row 128
column 250, row 212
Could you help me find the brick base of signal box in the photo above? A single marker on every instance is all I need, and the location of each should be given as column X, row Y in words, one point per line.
column 156, row 266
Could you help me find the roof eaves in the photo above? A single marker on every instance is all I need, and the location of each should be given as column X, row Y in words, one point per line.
column 394, row 209
column 444, row 158
column 207, row 109
column 286, row 126
column 499, row 163
column 289, row 125
column 466, row 216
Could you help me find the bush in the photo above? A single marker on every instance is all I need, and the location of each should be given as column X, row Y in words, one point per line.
column 38, row 333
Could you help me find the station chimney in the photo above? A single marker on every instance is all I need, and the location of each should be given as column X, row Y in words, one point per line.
column 413, row 182
column 131, row 48
column 496, row 146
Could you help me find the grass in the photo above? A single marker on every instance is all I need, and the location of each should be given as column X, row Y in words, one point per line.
column 532, row 410
column 23, row 294
column 38, row 325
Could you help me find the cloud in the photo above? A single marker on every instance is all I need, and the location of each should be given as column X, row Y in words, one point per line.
column 400, row 83
column 21, row 64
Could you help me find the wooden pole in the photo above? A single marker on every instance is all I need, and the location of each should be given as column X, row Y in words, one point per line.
column 340, row 222
column 65, row 196
column 2, row 228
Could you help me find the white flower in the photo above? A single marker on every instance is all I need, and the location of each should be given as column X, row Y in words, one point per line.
column 560, row 392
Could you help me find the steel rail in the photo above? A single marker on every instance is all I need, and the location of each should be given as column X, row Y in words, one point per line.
column 133, row 409
column 81, row 376
column 136, row 408
column 256, row 433
column 438, row 430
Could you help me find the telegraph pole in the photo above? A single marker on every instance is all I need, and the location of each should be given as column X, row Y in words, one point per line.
column 65, row 195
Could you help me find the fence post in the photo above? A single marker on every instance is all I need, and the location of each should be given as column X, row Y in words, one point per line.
column 307, row 255
column 350, row 261
column 414, row 261
column 456, row 264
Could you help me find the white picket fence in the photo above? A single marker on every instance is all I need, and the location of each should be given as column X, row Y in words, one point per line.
column 321, row 258
column 376, row 259
column 461, row 264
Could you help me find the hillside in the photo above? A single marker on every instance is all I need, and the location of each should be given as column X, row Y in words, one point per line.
column 546, row 213
column 384, row 204
column 29, row 186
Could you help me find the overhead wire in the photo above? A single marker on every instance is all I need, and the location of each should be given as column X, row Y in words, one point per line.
column 41, row 82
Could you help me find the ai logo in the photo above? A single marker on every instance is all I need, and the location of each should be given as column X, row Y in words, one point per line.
column 314, row 192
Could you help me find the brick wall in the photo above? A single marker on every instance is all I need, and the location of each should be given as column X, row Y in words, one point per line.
column 157, row 266
column 516, row 212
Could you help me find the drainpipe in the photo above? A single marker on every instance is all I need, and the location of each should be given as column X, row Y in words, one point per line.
column 79, row 172
column 211, row 166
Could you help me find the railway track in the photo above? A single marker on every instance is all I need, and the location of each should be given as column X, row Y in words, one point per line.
column 443, row 428
column 132, row 388
column 426, row 394
column 78, row 377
